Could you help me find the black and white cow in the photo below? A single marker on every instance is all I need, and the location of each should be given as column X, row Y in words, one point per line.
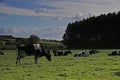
column 82, row 53
column 32, row 50
column 114, row 53
column 67, row 52
column 93, row 51
column 57, row 53
column 61, row 53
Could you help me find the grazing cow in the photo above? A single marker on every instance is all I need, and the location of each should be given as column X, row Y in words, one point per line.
column 1, row 52
column 114, row 53
column 84, row 54
column 32, row 50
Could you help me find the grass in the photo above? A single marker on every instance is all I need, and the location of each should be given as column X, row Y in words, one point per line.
column 95, row 67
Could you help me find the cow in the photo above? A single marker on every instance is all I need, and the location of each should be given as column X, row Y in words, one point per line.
column 1, row 52
column 78, row 54
column 93, row 51
column 61, row 53
column 67, row 52
column 33, row 49
column 114, row 53
column 57, row 53
column 82, row 53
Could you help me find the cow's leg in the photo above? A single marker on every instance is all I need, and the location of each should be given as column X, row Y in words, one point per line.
column 36, row 59
column 37, row 55
column 18, row 59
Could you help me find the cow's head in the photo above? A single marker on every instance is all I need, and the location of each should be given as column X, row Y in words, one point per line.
column 48, row 56
column 46, row 53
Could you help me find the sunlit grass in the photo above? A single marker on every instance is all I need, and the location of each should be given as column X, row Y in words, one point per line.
column 99, row 66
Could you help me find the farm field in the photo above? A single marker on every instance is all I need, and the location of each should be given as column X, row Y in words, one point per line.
column 98, row 66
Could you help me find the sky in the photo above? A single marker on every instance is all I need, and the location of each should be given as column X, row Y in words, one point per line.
column 48, row 19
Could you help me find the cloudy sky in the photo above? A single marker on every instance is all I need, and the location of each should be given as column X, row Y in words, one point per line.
column 48, row 19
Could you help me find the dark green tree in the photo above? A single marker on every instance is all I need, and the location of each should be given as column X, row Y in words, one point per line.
column 21, row 41
column 33, row 39
column 95, row 32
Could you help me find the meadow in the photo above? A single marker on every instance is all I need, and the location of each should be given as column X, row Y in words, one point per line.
column 98, row 66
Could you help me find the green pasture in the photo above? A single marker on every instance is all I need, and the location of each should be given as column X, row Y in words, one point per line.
column 99, row 66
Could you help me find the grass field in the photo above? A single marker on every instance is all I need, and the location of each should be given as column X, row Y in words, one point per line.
column 95, row 67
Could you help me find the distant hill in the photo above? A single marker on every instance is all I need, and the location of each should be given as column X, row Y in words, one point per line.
column 6, row 37
column 9, row 42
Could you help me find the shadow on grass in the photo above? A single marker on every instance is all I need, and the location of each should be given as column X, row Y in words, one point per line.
column 117, row 73
column 63, row 75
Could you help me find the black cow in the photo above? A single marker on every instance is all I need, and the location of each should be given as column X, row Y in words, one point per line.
column 1, row 52
column 31, row 50
column 114, row 53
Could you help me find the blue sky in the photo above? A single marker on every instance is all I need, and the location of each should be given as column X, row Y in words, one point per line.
column 48, row 19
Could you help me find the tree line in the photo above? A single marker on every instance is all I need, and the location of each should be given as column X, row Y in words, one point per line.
column 101, row 31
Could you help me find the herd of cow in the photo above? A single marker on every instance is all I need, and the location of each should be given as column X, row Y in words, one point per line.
column 39, row 51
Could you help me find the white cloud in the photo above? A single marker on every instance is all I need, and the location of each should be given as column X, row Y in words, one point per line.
column 65, row 8
column 78, row 16
column 12, row 30
column 55, row 33
column 40, row 10
column 15, row 11
column 70, row 8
